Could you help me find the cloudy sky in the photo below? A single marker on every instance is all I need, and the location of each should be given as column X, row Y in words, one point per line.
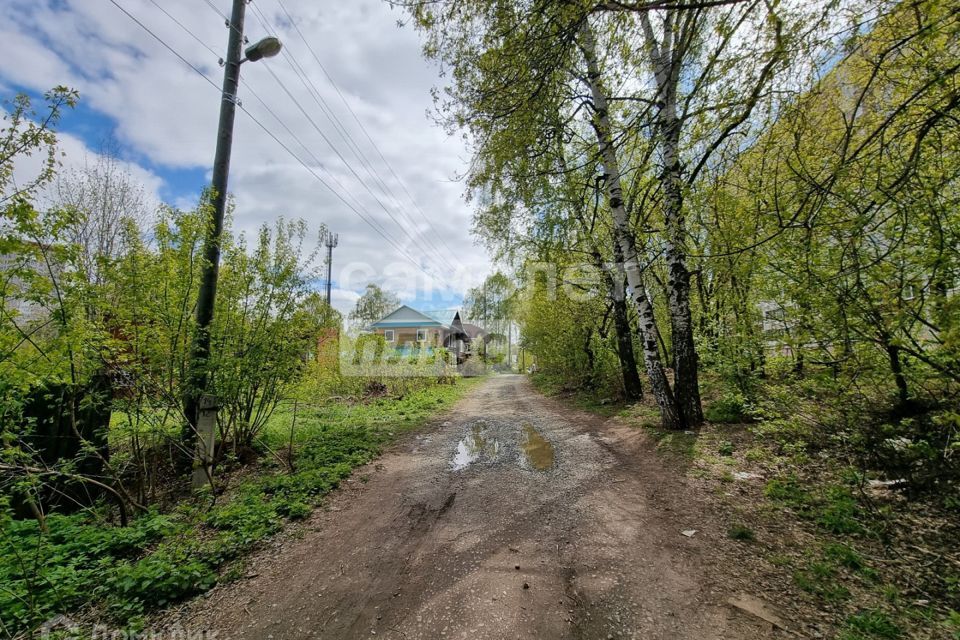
column 163, row 115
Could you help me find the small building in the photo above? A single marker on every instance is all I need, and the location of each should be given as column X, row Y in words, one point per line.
column 406, row 329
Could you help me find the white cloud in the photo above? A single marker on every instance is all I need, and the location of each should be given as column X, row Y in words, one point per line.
column 166, row 113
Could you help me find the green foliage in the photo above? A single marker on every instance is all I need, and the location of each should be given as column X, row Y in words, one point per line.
column 820, row 579
column 730, row 408
column 952, row 624
column 839, row 512
column 47, row 573
column 844, row 555
column 742, row 533
column 833, row 508
column 870, row 624
column 167, row 575
column 160, row 559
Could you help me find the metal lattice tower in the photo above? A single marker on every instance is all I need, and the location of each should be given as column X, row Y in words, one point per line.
column 330, row 241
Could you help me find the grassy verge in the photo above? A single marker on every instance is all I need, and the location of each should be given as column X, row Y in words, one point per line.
column 83, row 562
column 586, row 399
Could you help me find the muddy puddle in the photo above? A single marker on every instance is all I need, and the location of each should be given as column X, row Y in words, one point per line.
column 478, row 446
column 489, row 443
column 536, row 450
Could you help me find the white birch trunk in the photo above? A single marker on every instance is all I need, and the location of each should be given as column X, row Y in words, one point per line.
column 623, row 236
column 666, row 68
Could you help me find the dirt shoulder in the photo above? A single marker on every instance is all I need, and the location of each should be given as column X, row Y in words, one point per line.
column 456, row 533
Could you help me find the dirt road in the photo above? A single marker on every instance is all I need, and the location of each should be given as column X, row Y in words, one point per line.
column 516, row 517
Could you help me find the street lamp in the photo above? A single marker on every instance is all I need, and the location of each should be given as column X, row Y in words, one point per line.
column 200, row 354
column 265, row 48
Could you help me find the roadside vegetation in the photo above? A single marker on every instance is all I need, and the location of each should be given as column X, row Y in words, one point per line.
column 86, row 565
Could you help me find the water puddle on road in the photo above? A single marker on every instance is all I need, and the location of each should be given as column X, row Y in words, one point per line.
column 536, row 450
column 477, row 446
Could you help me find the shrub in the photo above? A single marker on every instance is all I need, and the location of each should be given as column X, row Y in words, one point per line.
column 870, row 624
column 741, row 532
column 729, row 408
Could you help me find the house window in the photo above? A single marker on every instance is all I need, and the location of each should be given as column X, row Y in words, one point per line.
column 774, row 315
column 388, row 335
column 421, row 335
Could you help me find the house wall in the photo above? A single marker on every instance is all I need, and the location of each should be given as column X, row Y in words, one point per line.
column 406, row 335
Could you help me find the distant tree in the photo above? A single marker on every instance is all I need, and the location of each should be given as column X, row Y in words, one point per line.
column 491, row 302
column 373, row 305
column 103, row 194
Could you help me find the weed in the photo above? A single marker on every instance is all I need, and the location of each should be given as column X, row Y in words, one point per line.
column 788, row 491
column 160, row 559
column 844, row 555
column 779, row 560
column 729, row 408
column 870, row 623
column 840, row 513
column 741, row 532
column 952, row 624
column 818, row 579
column 674, row 442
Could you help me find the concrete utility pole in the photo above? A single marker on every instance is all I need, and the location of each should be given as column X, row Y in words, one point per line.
column 331, row 241
column 198, row 378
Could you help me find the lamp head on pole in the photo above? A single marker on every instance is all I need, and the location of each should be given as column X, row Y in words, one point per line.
column 263, row 48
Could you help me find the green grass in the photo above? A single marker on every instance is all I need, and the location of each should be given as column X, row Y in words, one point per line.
column 832, row 507
column 820, row 579
column 676, row 443
column 742, row 533
column 163, row 558
column 870, row 624
column 587, row 399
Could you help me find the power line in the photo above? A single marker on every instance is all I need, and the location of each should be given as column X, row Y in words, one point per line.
column 335, row 193
column 339, row 155
column 352, row 144
column 169, row 48
column 275, row 138
column 265, row 23
column 189, row 32
column 362, row 127
column 310, row 153
column 217, row 11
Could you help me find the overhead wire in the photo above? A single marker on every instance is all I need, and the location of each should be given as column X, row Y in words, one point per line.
column 186, row 29
column 217, row 11
column 354, row 146
column 360, row 124
column 168, row 47
column 276, row 139
column 291, row 60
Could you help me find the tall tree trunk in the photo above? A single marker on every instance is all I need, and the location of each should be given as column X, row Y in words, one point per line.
column 591, row 358
column 666, row 65
column 625, row 240
column 896, row 368
column 632, row 387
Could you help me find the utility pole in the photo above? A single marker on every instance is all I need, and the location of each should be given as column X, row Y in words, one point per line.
column 331, row 241
column 198, row 377
column 485, row 341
